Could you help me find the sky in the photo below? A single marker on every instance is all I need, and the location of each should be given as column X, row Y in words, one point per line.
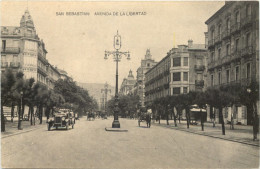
column 77, row 43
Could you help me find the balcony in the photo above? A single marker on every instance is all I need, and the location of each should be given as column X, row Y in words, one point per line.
column 199, row 82
column 226, row 34
column 211, row 43
column 4, row 64
column 211, row 65
column 248, row 21
column 247, row 51
column 11, row 50
column 15, row 64
column 235, row 28
column 199, row 67
column 226, row 59
column 218, row 39
column 236, row 55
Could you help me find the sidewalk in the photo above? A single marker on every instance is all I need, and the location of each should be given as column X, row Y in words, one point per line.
column 12, row 128
column 241, row 134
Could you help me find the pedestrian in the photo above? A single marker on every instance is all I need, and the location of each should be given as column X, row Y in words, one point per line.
column 148, row 120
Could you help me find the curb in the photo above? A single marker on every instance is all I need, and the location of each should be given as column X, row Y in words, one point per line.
column 115, row 129
column 24, row 131
column 170, row 127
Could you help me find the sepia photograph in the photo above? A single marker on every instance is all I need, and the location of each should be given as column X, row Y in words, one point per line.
column 129, row 84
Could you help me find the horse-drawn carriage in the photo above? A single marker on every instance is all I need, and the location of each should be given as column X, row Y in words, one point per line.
column 91, row 116
column 144, row 117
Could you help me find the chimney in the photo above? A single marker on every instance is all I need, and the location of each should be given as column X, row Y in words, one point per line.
column 190, row 43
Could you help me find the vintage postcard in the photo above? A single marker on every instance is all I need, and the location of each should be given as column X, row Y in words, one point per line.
column 136, row 84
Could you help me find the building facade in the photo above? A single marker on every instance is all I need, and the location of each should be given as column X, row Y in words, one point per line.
column 128, row 84
column 22, row 50
column 183, row 69
column 146, row 64
column 157, row 80
column 188, row 68
column 233, row 49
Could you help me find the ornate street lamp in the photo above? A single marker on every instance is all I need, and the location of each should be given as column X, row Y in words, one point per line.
column 117, row 55
column 20, row 115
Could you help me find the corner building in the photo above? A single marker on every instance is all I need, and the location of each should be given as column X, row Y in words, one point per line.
column 233, row 49
column 22, row 50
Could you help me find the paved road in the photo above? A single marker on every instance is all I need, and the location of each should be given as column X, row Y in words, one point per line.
column 90, row 146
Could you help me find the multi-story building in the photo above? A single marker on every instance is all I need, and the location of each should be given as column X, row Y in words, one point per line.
column 183, row 69
column 22, row 50
column 157, row 80
column 146, row 64
column 127, row 84
column 233, row 49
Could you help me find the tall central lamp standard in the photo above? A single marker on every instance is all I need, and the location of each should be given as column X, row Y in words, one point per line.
column 117, row 55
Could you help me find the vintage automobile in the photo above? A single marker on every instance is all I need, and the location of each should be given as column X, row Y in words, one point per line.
column 63, row 118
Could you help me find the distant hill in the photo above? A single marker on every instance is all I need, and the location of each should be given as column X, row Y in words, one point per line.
column 94, row 90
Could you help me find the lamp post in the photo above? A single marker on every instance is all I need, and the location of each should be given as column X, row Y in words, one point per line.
column 20, row 114
column 105, row 90
column 117, row 55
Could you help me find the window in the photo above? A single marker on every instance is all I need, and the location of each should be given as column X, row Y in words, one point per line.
column 185, row 61
column 199, row 62
column 185, row 76
column 176, row 90
column 228, row 24
column 248, row 10
column 248, row 70
column 228, row 50
column 148, row 64
column 237, row 17
column 219, row 53
column 176, row 76
column 212, row 80
column 3, row 45
column 212, row 34
column 237, row 45
column 228, row 75
column 185, row 90
column 219, row 77
column 248, row 39
column 176, row 62
column 212, row 56
column 219, row 29
column 237, row 73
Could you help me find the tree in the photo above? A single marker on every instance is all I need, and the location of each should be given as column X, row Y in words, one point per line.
column 7, row 82
column 249, row 96
column 201, row 101
column 218, row 99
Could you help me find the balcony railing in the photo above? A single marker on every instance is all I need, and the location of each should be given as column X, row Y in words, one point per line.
column 15, row 64
column 199, row 67
column 211, row 42
column 248, row 20
column 226, row 34
column 226, row 59
column 247, row 51
column 13, row 50
column 236, row 54
column 4, row 64
column 199, row 82
column 235, row 28
column 218, row 38
column 211, row 64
